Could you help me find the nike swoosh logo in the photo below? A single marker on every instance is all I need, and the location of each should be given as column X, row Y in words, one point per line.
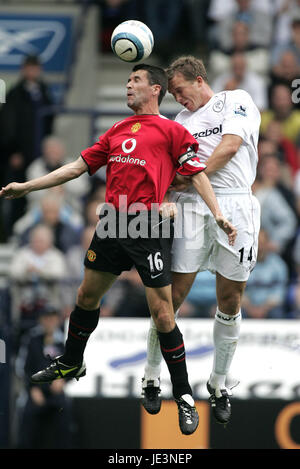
column 65, row 372
column 129, row 49
column 154, row 276
column 177, row 356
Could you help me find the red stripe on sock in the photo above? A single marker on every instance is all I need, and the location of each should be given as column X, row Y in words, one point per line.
column 76, row 336
column 176, row 361
column 172, row 349
column 80, row 327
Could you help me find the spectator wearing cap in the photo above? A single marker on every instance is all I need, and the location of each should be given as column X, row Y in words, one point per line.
column 19, row 113
column 19, row 117
column 44, row 411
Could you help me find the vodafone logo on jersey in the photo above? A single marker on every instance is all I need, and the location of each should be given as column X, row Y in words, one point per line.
column 128, row 146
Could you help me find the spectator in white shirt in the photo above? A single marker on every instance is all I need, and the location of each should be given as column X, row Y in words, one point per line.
column 37, row 272
column 240, row 78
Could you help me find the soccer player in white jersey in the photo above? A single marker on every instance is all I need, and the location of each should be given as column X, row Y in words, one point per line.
column 226, row 126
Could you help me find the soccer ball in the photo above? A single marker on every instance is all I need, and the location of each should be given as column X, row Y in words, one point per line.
column 132, row 41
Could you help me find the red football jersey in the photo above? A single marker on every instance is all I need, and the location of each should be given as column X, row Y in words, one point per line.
column 143, row 154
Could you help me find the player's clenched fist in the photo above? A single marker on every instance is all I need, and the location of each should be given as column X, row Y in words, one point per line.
column 14, row 190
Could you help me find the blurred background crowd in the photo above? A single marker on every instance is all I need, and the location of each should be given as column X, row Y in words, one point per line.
column 245, row 44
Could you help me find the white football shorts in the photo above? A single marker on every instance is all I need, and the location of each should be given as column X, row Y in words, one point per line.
column 199, row 244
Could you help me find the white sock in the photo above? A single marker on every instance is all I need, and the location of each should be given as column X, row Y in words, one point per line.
column 154, row 356
column 226, row 335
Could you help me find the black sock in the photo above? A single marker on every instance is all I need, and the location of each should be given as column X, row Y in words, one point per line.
column 173, row 351
column 81, row 324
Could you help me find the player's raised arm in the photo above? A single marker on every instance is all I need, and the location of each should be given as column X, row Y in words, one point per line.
column 61, row 175
column 205, row 190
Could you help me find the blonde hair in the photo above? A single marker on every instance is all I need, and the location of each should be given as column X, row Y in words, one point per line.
column 190, row 67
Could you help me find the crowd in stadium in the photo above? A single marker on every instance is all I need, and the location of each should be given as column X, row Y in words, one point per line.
column 246, row 44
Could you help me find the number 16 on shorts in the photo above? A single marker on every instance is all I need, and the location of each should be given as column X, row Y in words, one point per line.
column 156, row 264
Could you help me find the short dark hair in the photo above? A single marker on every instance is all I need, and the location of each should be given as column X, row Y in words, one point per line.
column 190, row 67
column 156, row 76
column 31, row 60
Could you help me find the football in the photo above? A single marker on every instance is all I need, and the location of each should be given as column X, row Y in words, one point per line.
column 132, row 41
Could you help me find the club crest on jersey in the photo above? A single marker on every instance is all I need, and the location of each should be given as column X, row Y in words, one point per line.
column 136, row 127
column 91, row 255
column 240, row 109
column 218, row 106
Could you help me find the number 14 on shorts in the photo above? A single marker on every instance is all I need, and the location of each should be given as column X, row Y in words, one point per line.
column 242, row 254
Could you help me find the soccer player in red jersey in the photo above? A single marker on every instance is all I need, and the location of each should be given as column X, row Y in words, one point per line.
column 143, row 153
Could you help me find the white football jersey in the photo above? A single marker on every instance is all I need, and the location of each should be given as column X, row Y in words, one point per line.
column 227, row 112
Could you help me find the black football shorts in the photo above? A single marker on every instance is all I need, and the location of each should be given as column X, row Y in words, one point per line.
column 150, row 255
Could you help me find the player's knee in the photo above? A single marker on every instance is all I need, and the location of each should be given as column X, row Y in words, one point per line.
column 86, row 299
column 230, row 303
column 163, row 318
